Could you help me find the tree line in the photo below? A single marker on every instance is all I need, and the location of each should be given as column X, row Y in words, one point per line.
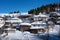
column 45, row 8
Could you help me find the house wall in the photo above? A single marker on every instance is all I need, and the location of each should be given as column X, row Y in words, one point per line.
column 23, row 28
column 37, row 30
column 7, row 31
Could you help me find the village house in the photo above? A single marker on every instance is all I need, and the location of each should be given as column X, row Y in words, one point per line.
column 37, row 27
column 25, row 26
column 55, row 16
column 2, row 23
column 26, row 18
column 41, row 17
column 39, row 24
column 9, row 30
column 12, row 22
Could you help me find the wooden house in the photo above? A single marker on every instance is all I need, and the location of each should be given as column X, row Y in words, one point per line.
column 25, row 26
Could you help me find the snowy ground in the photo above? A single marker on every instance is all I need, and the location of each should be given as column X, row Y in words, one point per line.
column 18, row 35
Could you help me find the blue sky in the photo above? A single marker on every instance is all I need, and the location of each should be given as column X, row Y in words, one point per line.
column 22, row 5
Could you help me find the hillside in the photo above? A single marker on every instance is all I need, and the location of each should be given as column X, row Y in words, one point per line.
column 45, row 8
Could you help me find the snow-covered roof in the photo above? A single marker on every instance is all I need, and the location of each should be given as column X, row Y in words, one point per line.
column 14, row 20
column 9, row 29
column 38, row 22
column 25, row 14
column 57, row 9
column 50, row 22
column 7, row 14
column 37, row 28
column 56, row 13
column 53, row 12
column 41, row 15
column 25, row 24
